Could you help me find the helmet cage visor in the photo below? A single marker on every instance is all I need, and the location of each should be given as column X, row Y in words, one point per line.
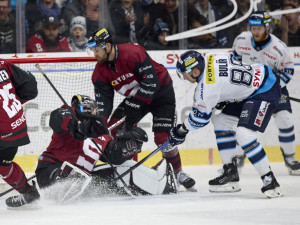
column 180, row 73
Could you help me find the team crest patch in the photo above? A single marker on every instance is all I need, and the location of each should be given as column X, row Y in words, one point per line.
column 261, row 113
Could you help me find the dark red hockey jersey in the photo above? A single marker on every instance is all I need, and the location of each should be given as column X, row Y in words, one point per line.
column 133, row 73
column 83, row 154
column 16, row 87
column 36, row 44
column 63, row 147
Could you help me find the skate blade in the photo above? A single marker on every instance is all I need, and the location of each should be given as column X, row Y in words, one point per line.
column 226, row 188
column 34, row 205
column 275, row 193
column 294, row 172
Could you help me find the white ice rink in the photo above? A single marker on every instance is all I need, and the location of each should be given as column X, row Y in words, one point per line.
column 246, row 207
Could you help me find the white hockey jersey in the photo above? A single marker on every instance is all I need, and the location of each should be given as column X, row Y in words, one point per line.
column 225, row 79
column 274, row 54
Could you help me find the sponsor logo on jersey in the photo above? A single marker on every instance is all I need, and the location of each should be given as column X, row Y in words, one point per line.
column 144, row 68
column 244, row 48
column 241, row 38
column 261, row 113
column 269, row 56
column 18, row 122
column 201, row 91
column 257, row 78
column 121, row 78
column 253, row 59
column 210, row 70
column 3, row 76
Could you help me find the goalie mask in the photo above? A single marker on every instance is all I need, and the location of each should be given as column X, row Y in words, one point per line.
column 99, row 38
column 84, row 104
column 187, row 62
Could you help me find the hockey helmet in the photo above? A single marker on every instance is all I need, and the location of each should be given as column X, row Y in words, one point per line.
column 99, row 38
column 259, row 18
column 188, row 61
column 84, row 103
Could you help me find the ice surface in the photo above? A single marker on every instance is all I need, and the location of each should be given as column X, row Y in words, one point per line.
column 246, row 207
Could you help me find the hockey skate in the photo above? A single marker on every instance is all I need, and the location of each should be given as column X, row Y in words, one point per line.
column 292, row 164
column 186, row 181
column 271, row 187
column 24, row 201
column 228, row 181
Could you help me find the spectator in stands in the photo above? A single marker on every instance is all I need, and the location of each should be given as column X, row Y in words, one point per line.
column 86, row 8
column 212, row 14
column 232, row 32
column 202, row 41
column 48, row 40
column 294, row 3
column 77, row 39
column 158, row 42
column 289, row 29
column 36, row 10
column 7, row 28
column 129, row 21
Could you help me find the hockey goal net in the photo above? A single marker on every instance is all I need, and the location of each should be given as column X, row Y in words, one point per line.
column 71, row 74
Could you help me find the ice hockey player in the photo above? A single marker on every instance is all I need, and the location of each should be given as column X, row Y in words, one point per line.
column 147, row 87
column 258, row 45
column 16, row 87
column 71, row 148
column 251, row 94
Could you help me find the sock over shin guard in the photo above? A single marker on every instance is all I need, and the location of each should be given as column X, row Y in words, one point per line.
column 15, row 177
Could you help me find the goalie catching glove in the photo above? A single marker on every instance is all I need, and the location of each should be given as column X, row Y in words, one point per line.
column 133, row 111
column 177, row 135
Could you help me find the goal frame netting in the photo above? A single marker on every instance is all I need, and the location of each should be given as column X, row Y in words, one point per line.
column 71, row 74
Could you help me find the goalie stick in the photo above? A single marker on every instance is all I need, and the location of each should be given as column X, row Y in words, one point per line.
column 33, row 176
column 75, row 117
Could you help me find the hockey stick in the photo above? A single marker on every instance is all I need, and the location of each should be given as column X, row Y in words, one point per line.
column 75, row 117
column 11, row 189
column 294, row 99
column 167, row 143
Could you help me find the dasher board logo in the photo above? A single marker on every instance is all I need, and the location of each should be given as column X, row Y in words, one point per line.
column 210, row 69
column 261, row 113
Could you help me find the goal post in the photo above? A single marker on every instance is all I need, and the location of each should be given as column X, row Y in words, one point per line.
column 71, row 74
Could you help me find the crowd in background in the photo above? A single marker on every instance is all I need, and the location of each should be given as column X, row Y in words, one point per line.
column 65, row 25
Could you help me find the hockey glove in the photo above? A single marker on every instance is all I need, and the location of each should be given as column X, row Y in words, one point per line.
column 132, row 110
column 74, row 131
column 135, row 133
column 118, row 151
column 177, row 135
column 221, row 105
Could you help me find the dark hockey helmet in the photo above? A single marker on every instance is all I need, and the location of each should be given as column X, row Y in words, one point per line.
column 85, row 104
column 99, row 38
column 188, row 61
column 259, row 18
